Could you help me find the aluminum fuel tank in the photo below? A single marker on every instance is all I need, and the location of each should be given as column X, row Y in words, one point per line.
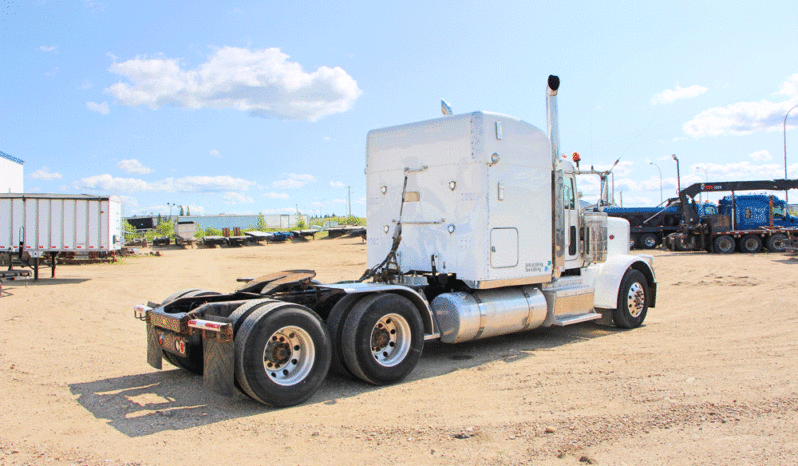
column 469, row 316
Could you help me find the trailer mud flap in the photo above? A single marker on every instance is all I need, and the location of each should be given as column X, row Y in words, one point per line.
column 154, row 350
column 218, row 372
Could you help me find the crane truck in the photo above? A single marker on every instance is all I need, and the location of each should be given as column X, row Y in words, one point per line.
column 474, row 231
column 739, row 222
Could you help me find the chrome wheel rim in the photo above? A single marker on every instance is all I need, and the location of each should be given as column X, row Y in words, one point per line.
column 636, row 299
column 390, row 340
column 288, row 356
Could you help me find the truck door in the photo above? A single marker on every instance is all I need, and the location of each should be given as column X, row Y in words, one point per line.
column 571, row 206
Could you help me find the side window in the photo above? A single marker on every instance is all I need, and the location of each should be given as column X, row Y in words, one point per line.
column 778, row 211
column 568, row 195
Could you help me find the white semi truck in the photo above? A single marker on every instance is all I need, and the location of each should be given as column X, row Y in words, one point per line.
column 474, row 230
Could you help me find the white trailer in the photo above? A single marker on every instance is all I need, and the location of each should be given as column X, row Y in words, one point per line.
column 184, row 232
column 36, row 225
column 474, row 230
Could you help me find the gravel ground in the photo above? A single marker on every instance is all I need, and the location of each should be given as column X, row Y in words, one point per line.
column 710, row 378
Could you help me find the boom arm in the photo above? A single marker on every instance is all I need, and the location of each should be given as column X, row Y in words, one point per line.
column 691, row 216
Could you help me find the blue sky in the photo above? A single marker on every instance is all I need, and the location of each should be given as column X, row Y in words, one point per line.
column 259, row 106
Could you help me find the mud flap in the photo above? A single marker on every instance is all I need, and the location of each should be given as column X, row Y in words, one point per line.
column 218, row 374
column 154, row 350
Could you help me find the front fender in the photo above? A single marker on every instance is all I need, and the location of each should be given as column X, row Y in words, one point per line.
column 608, row 280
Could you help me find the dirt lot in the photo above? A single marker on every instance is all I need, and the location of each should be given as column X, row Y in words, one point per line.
column 710, row 378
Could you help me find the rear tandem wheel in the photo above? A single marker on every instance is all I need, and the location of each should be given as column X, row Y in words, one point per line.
column 750, row 244
column 282, row 354
column 382, row 338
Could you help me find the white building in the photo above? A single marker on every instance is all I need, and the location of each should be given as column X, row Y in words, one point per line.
column 10, row 174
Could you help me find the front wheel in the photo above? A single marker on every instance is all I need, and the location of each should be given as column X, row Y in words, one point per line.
column 382, row 338
column 632, row 304
column 282, row 354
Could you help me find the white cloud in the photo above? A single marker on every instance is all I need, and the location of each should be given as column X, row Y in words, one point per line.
column 45, row 174
column 99, row 108
column 232, row 198
column 744, row 170
column 761, row 155
column 129, row 202
column 284, row 210
column 790, row 86
column 48, row 48
column 215, row 153
column 276, row 195
column 671, row 95
column 623, row 168
column 294, row 181
column 336, row 184
column 260, row 82
column 133, row 166
column 108, row 183
column 746, row 117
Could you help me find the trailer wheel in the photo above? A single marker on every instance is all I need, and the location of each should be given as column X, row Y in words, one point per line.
column 777, row 243
column 750, row 244
column 383, row 338
column 634, row 241
column 282, row 354
column 632, row 300
column 649, row 241
column 724, row 244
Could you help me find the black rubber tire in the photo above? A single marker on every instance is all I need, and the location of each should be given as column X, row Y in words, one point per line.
column 634, row 241
column 633, row 298
column 307, row 361
column 335, row 325
column 371, row 317
column 680, row 245
column 179, row 294
column 194, row 363
column 648, row 241
column 724, row 244
column 240, row 314
column 750, row 244
column 777, row 243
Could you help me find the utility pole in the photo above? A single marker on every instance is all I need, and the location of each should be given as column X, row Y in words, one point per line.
column 349, row 200
column 660, row 180
column 785, row 151
column 706, row 180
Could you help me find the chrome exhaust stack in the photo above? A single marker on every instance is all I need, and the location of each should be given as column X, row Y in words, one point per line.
column 557, row 202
